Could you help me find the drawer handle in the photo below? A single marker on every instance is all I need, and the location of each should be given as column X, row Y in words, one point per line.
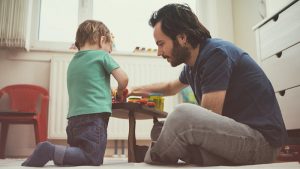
column 282, row 92
column 279, row 54
column 275, row 18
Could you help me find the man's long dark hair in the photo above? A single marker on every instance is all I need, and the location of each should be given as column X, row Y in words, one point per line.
column 179, row 19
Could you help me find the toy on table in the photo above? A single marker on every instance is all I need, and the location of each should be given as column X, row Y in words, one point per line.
column 158, row 99
column 154, row 100
column 116, row 99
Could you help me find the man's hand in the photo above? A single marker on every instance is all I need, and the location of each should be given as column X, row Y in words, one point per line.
column 136, row 92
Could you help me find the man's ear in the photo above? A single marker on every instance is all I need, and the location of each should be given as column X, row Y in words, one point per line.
column 182, row 39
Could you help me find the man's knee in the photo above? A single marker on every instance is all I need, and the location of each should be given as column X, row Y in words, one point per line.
column 186, row 111
column 179, row 116
column 187, row 114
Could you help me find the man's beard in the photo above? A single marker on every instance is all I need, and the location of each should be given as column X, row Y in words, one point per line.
column 180, row 54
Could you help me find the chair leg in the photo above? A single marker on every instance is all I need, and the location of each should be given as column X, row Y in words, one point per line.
column 40, row 132
column 43, row 131
column 3, row 138
column 37, row 133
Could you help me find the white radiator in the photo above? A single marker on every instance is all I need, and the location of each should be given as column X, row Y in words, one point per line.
column 140, row 69
column 59, row 101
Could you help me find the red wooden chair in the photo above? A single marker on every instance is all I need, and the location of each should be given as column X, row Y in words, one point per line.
column 28, row 105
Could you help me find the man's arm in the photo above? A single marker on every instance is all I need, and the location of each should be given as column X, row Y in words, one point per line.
column 214, row 101
column 165, row 88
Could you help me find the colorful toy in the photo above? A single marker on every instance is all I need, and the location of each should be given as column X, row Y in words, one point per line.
column 116, row 99
column 155, row 100
column 158, row 99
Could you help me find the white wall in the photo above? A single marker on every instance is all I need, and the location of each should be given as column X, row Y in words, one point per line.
column 245, row 16
column 13, row 70
column 231, row 20
column 216, row 16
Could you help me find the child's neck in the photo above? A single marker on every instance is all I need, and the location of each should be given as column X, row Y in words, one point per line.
column 90, row 47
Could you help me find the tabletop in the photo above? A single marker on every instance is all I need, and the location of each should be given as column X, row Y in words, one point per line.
column 121, row 110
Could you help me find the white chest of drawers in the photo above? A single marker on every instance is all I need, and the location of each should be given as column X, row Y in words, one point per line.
column 278, row 50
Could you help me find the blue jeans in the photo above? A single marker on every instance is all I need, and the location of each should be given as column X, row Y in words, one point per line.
column 87, row 137
column 198, row 136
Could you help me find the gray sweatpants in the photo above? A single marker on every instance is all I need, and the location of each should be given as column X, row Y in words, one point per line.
column 198, row 136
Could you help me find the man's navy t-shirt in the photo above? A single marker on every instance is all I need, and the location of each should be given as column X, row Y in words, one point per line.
column 250, row 98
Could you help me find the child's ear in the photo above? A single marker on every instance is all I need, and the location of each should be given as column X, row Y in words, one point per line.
column 102, row 40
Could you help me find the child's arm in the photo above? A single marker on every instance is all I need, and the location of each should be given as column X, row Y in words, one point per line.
column 122, row 80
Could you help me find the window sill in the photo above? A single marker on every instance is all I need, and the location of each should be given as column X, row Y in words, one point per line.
column 114, row 53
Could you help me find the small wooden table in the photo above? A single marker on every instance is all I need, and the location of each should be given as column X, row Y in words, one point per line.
column 133, row 111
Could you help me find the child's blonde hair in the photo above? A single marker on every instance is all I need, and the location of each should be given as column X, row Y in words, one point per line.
column 91, row 31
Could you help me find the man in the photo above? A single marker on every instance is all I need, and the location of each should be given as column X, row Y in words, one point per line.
column 238, row 121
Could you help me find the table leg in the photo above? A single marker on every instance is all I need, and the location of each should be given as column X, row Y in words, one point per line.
column 131, row 138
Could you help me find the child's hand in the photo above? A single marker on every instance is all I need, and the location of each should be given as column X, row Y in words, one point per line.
column 121, row 95
column 129, row 90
